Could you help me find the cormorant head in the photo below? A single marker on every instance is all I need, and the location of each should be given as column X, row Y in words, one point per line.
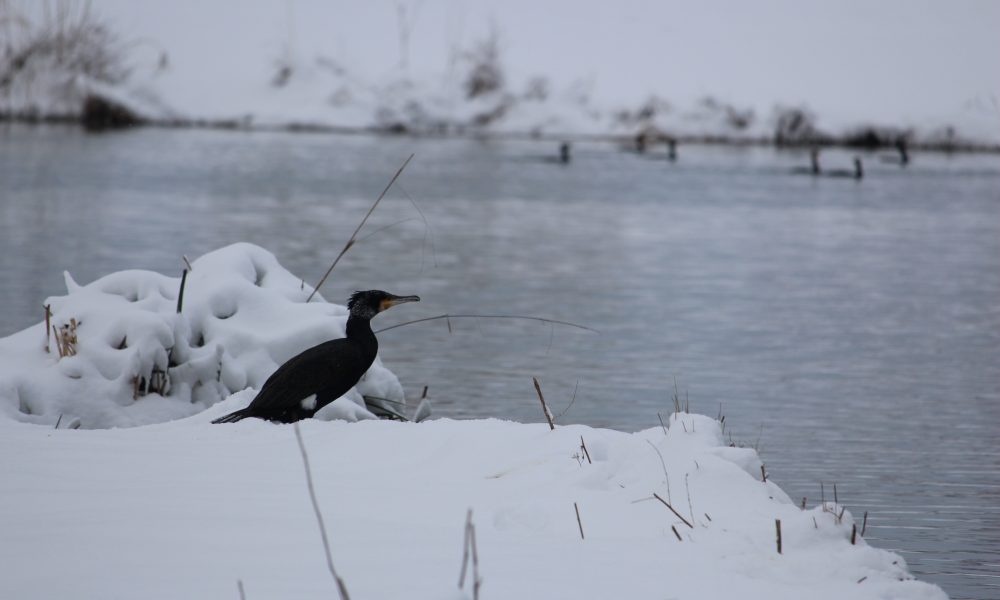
column 369, row 303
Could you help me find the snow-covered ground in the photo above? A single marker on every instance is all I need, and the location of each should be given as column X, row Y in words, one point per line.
column 96, row 502
column 187, row 509
column 724, row 68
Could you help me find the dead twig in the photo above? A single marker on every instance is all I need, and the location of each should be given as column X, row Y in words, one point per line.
column 48, row 325
column 469, row 548
column 583, row 446
column 688, row 489
column 319, row 517
column 571, row 401
column 180, row 294
column 578, row 521
column 354, row 236
column 677, row 514
column 664, row 465
column 777, row 527
column 428, row 232
column 545, row 408
column 449, row 317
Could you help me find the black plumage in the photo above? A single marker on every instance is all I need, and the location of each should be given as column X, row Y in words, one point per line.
column 316, row 377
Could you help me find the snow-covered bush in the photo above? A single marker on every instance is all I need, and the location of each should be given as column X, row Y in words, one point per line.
column 137, row 360
column 46, row 64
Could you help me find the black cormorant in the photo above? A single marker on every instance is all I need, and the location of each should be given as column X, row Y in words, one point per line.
column 564, row 153
column 323, row 373
column 671, row 149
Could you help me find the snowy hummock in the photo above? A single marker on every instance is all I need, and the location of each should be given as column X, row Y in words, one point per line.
column 186, row 509
column 138, row 361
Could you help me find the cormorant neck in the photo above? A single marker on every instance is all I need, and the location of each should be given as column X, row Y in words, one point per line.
column 359, row 328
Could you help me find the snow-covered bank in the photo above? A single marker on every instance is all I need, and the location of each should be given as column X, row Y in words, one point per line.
column 117, row 352
column 441, row 68
column 185, row 509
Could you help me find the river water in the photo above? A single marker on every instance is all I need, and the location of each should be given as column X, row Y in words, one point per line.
column 849, row 330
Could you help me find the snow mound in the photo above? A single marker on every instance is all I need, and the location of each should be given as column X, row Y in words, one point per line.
column 117, row 353
column 120, row 513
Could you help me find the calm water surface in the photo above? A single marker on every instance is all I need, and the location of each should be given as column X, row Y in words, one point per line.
column 852, row 330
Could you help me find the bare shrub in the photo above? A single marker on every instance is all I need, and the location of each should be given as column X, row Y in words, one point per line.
column 795, row 125
column 485, row 71
column 69, row 38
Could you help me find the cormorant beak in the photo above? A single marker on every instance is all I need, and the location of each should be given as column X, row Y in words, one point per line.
column 394, row 300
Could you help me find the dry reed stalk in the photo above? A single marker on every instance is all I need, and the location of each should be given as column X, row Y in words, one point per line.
column 864, row 524
column 677, row 514
column 688, row 489
column 763, row 474
column 470, row 544
column 777, row 527
column 854, row 533
column 545, row 408
column 66, row 338
column 449, row 317
column 663, row 463
column 571, row 401
column 676, row 533
column 319, row 517
column 354, row 236
column 180, row 294
column 578, row 521
column 48, row 325
column 583, row 446
column 658, row 416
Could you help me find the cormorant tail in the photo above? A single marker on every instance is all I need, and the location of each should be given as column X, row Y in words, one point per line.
column 234, row 416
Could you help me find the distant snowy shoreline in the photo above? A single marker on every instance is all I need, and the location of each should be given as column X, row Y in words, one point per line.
column 77, row 65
